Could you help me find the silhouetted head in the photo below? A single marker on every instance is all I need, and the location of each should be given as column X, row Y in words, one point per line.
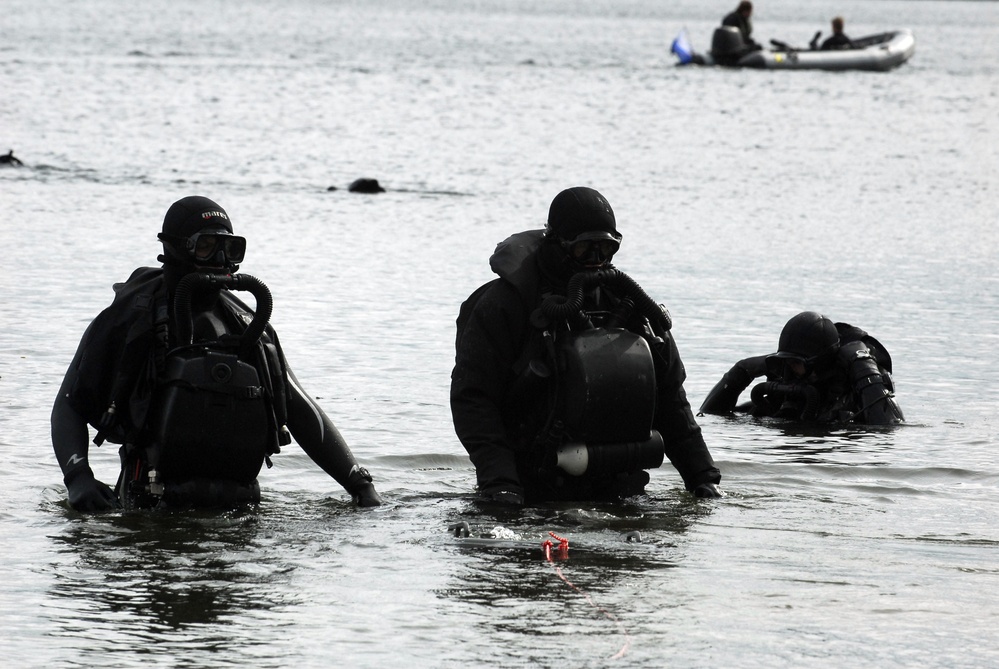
column 837, row 25
column 745, row 8
column 197, row 236
column 581, row 222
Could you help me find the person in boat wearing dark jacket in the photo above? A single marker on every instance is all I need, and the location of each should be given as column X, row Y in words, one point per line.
column 191, row 382
column 838, row 40
column 741, row 18
column 567, row 384
column 822, row 372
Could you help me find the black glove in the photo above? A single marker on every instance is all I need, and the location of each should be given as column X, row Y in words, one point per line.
column 362, row 489
column 507, row 496
column 707, row 490
column 366, row 495
column 87, row 494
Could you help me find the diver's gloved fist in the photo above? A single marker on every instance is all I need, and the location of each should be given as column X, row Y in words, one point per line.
column 361, row 488
column 87, row 494
column 707, row 490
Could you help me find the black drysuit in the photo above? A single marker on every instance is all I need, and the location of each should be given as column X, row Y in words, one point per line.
column 854, row 387
column 119, row 364
column 498, row 416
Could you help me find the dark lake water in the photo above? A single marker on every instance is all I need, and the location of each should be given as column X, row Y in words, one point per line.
column 744, row 198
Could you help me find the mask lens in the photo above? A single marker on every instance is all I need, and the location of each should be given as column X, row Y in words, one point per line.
column 235, row 248
column 587, row 247
column 608, row 247
column 797, row 369
column 206, row 246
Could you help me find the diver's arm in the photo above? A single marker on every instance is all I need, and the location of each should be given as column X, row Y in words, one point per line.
column 321, row 441
column 487, row 348
column 683, row 439
column 70, row 441
column 724, row 396
column 877, row 403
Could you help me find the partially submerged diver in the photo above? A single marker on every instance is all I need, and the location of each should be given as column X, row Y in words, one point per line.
column 822, row 372
column 10, row 159
column 567, row 384
column 191, row 382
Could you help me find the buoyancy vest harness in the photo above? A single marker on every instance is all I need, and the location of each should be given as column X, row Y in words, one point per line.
column 219, row 408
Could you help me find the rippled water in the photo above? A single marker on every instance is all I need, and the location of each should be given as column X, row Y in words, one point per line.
column 744, row 197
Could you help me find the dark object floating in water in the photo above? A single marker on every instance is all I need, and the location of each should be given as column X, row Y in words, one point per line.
column 10, row 159
column 365, row 185
column 881, row 52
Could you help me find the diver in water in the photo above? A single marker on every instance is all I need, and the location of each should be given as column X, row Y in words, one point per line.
column 567, row 384
column 10, row 159
column 822, row 372
column 191, row 382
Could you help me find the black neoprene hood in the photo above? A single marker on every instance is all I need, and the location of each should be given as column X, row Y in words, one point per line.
column 190, row 215
column 582, row 213
column 808, row 336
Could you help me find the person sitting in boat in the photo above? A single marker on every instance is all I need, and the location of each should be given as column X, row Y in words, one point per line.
column 567, row 384
column 838, row 40
column 741, row 18
column 822, row 372
column 191, row 382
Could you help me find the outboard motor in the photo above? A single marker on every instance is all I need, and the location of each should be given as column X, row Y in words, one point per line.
column 727, row 45
column 212, row 419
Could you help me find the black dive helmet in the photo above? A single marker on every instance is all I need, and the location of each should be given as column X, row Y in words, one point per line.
column 809, row 338
column 197, row 235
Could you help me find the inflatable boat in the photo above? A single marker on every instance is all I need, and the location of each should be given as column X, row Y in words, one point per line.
column 880, row 52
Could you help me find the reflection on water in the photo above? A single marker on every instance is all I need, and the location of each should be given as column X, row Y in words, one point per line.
column 509, row 587
column 784, row 440
column 168, row 572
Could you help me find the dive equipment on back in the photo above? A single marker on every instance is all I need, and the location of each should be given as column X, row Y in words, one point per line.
column 213, row 416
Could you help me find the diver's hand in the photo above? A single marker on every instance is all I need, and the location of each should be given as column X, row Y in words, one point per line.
column 707, row 490
column 506, row 496
column 361, row 488
column 365, row 495
column 87, row 494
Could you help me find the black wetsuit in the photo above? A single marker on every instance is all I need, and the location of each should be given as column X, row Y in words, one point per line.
column 113, row 381
column 498, row 416
column 836, row 41
column 745, row 26
column 856, row 387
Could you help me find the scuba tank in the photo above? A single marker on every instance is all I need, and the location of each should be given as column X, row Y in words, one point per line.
column 212, row 418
